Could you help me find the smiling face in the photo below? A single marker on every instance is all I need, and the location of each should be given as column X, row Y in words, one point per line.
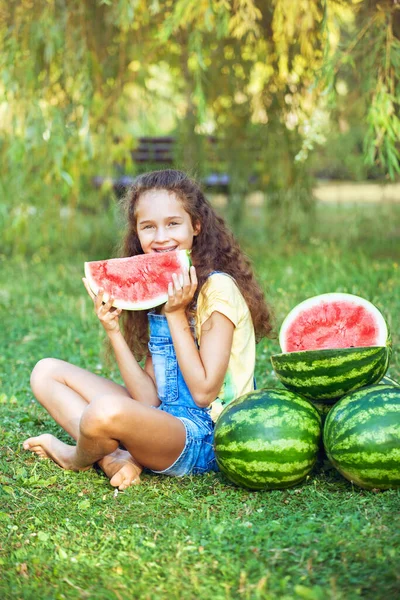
column 162, row 223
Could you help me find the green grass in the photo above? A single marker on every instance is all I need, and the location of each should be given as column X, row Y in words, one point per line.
column 67, row 535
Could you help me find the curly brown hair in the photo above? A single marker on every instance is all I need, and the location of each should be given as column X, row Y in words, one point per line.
column 214, row 249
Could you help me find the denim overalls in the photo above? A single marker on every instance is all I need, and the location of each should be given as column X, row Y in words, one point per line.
column 198, row 454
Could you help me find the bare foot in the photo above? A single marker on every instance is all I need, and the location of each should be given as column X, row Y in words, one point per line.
column 48, row 446
column 121, row 468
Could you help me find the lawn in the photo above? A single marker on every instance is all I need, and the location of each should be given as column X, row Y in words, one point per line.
column 69, row 535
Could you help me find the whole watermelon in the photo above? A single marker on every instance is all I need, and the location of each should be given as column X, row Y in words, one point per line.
column 362, row 436
column 267, row 439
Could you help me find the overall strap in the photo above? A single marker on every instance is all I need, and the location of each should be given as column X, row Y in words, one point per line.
column 221, row 273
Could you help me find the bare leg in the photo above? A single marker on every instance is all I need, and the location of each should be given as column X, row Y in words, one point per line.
column 65, row 391
column 121, row 468
column 153, row 437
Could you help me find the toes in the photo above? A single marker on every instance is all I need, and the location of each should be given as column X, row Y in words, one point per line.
column 35, row 445
column 30, row 445
column 34, row 442
column 39, row 451
column 123, row 480
column 128, row 482
column 116, row 480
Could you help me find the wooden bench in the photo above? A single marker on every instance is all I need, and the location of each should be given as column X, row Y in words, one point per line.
column 158, row 153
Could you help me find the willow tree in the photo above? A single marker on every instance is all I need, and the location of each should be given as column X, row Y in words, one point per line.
column 79, row 79
column 267, row 84
column 253, row 82
column 368, row 59
column 65, row 67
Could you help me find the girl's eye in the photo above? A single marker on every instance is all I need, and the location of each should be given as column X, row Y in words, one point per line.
column 147, row 226
column 174, row 223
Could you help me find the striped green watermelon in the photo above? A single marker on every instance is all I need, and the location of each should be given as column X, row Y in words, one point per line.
column 362, row 437
column 332, row 344
column 326, row 375
column 267, row 439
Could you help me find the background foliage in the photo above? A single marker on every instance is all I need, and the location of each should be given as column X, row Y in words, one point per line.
column 80, row 81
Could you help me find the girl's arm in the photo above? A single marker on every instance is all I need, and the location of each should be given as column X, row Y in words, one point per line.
column 203, row 370
column 139, row 382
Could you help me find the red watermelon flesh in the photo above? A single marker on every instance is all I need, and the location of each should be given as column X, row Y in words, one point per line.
column 136, row 282
column 333, row 321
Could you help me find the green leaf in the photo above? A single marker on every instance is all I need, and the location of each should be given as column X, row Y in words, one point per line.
column 67, row 178
column 62, row 553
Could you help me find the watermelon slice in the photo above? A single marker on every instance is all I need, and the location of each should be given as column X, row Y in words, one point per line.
column 333, row 321
column 136, row 282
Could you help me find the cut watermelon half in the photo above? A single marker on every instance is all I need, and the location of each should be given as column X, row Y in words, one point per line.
column 331, row 321
column 136, row 282
column 328, row 374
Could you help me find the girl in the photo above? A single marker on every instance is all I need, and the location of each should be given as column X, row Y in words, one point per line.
column 199, row 348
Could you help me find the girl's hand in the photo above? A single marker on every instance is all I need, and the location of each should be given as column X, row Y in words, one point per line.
column 181, row 290
column 107, row 314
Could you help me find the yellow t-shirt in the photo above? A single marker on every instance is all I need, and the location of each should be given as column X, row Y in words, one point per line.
column 220, row 293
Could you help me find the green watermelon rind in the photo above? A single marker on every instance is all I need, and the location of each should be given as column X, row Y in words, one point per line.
column 387, row 380
column 327, row 375
column 362, row 437
column 267, row 439
column 185, row 261
column 292, row 316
